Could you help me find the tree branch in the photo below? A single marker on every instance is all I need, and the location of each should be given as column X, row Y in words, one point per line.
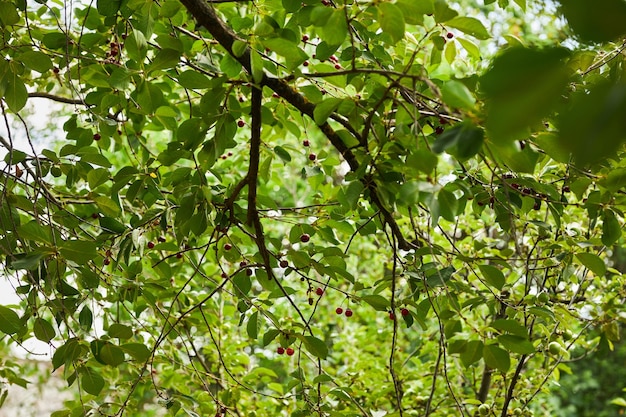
column 207, row 17
column 57, row 98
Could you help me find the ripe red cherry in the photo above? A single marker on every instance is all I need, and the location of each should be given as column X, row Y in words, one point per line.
column 449, row 35
column 179, row 255
column 306, row 142
column 305, row 63
column 284, row 264
column 566, row 189
column 439, row 130
column 280, row 350
column 56, row 70
column 107, row 261
column 319, row 291
column 224, row 275
column 228, row 246
column 348, row 313
column 339, row 310
column 337, row 66
column 150, row 245
column 392, row 316
column 241, row 123
column 312, row 157
column 95, row 216
column 290, row 351
column 305, row 238
column 97, row 136
column 404, row 312
column 305, row 38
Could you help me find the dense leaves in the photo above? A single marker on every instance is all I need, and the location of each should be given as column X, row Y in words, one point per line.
column 284, row 207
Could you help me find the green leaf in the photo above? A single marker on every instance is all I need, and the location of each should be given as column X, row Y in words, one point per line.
column 28, row 261
column 67, row 353
column 15, row 93
column 470, row 47
column 256, row 65
column 593, row 128
column 323, row 110
column 516, row 344
column 611, row 229
column 136, row 45
column 496, row 357
column 391, row 20
column 462, row 141
column 522, row 86
column 109, row 7
column 316, row 347
column 111, row 225
column 493, row 276
column 335, row 30
column 166, row 58
column 36, row 60
column 10, row 322
column 592, row 262
column 239, row 48
column 43, row 330
column 379, row 302
column 456, row 94
column 138, row 351
column 97, row 177
column 8, row 14
column 111, row 355
column 269, row 336
column 510, row 326
column 282, row 153
column 469, row 25
column 90, row 380
column 120, row 331
column 252, row 327
column 79, row 251
column 107, row 206
column 294, row 56
column 615, row 180
column 85, row 318
column 472, row 352
column 597, row 21
column 193, row 79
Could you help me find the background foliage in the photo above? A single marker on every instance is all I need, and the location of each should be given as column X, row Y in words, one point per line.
column 318, row 207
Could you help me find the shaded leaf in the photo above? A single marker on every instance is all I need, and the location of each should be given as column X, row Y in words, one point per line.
column 496, row 357
column 597, row 21
column 316, row 347
column 10, row 322
column 472, row 352
column 516, row 344
column 43, row 330
column 79, row 251
column 379, row 302
column 90, row 380
column 522, row 86
column 493, row 276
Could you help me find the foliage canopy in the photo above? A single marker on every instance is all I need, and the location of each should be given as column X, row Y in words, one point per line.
column 312, row 207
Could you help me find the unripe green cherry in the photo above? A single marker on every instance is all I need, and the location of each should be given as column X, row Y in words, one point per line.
column 554, row 348
column 484, row 410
